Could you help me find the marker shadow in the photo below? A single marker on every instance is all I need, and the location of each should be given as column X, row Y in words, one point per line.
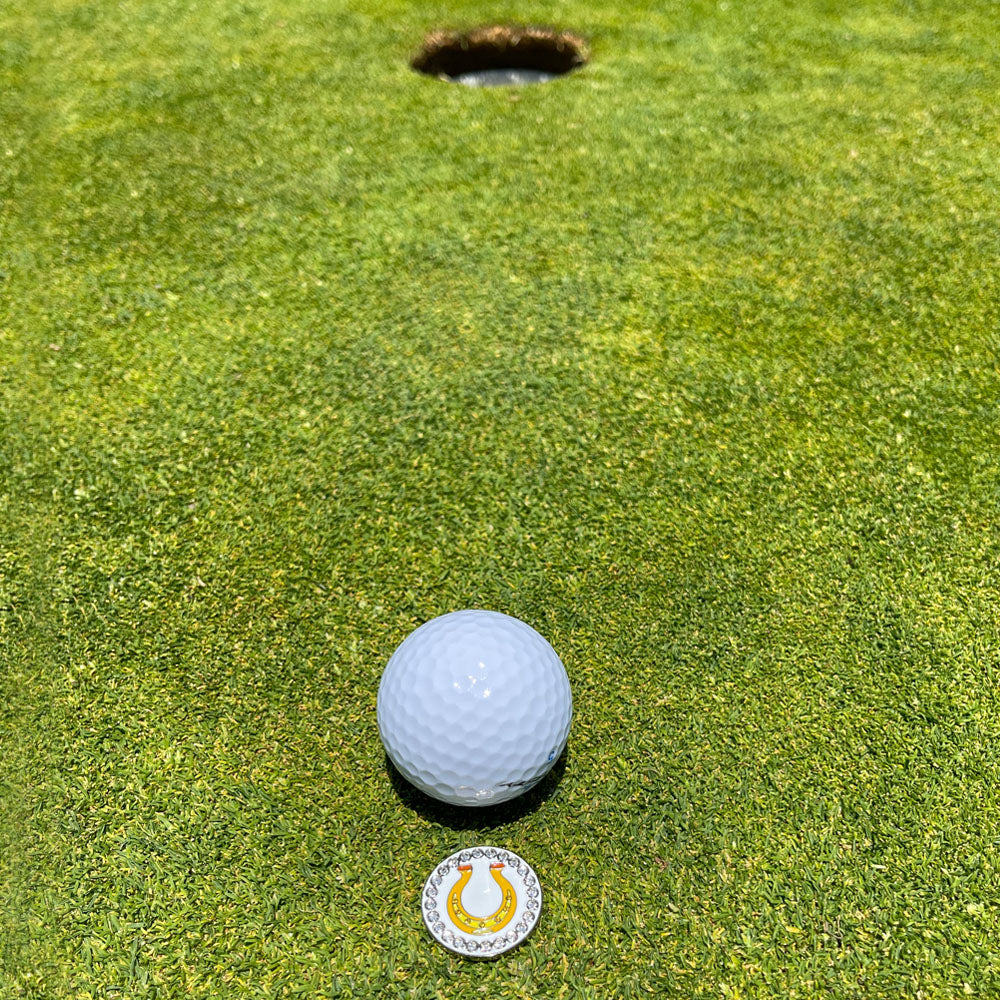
column 477, row 817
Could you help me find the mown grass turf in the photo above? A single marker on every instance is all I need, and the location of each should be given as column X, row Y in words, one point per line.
column 689, row 360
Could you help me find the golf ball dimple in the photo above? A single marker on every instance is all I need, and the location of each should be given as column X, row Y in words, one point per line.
column 474, row 707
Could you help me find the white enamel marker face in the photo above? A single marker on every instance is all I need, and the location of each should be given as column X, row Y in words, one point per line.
column 481, row 902
column 474, row 708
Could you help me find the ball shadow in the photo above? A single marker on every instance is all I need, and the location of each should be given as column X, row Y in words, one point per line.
column 477, row 817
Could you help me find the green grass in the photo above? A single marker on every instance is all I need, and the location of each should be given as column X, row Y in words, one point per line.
column 690, row 361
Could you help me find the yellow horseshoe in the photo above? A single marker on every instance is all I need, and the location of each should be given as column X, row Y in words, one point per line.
column 498, row 919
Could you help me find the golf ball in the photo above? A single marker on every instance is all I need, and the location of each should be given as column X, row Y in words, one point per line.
column 474, row 707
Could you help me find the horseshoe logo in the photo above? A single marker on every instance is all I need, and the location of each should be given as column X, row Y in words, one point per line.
column 498, row 919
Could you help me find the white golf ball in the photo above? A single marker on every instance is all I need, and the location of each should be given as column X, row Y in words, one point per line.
column 474, row 708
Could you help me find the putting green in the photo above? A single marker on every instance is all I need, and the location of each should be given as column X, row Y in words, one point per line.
column 688, row 359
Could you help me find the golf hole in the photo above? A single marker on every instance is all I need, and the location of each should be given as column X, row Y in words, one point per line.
column 500, row 56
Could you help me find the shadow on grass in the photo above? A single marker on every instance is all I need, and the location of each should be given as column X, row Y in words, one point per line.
column 477, row 817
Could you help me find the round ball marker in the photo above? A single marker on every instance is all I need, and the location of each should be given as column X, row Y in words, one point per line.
column 481, row 902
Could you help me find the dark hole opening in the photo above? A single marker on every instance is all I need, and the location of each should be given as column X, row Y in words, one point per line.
column 540, row 52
